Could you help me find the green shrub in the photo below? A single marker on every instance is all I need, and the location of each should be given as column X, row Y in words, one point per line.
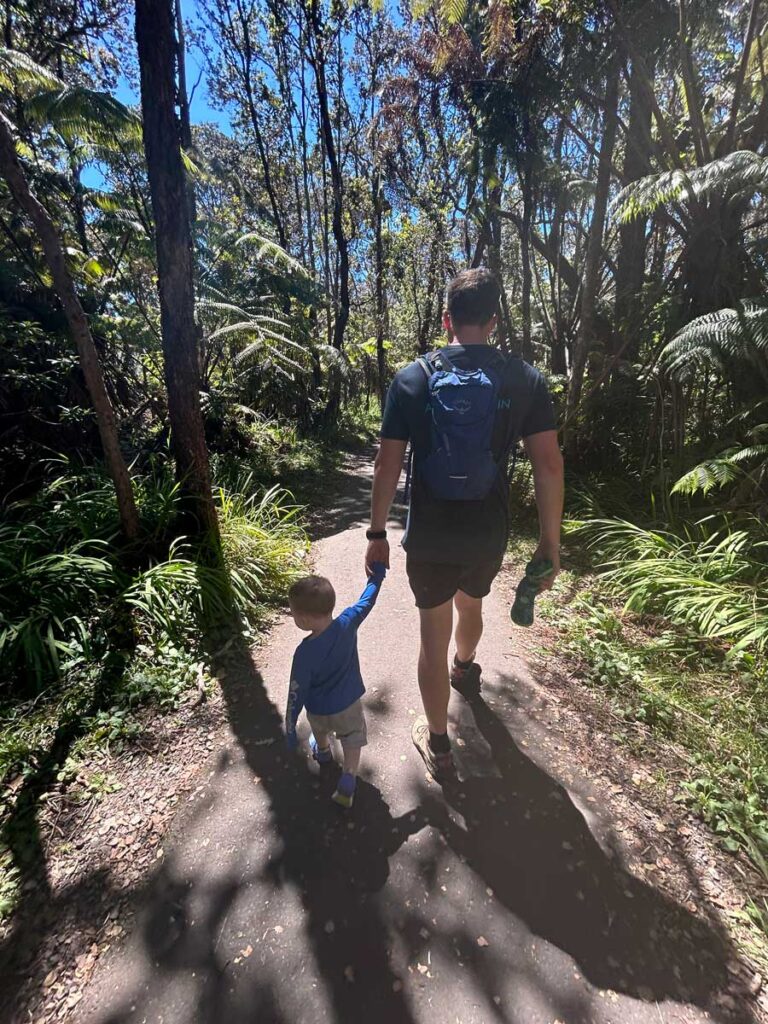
column 61, row 580
column 710, row 581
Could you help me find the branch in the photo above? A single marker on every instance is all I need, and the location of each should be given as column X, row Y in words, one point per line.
column 730, row 131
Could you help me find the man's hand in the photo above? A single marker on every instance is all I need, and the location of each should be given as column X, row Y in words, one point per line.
column 378, row 551
column 547, row 463
column 553, row 554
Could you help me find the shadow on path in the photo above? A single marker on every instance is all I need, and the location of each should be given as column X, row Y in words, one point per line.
column 336, row 871
column 528, row 842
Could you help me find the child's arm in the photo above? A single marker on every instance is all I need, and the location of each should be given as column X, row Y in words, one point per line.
column 355, row 614
column 297, row 695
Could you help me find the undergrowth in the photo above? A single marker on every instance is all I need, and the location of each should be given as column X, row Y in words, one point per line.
column 669, row 621
column 86, row 642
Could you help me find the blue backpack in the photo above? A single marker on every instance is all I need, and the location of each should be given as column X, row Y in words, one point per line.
column 462, row 405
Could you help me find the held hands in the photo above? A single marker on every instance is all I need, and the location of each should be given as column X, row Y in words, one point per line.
column 377, row 555
column 377, row 572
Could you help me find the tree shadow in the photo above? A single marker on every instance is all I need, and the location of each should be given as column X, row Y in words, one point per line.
column 525, row 838
column 21, row 835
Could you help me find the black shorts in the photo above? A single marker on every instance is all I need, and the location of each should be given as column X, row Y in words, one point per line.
column 434, row 583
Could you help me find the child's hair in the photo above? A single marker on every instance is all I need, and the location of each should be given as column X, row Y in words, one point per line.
column 312, row 595
column 472, row 297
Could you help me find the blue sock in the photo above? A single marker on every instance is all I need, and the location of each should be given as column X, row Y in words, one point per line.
column 346, row 784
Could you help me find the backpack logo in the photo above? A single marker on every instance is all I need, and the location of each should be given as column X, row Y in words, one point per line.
column 462, row 406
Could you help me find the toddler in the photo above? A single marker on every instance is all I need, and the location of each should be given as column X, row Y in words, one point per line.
column 325, row 675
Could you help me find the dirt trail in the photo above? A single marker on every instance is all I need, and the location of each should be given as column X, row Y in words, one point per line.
column 504, row 901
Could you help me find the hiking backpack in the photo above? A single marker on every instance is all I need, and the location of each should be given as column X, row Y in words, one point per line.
column 462, row 406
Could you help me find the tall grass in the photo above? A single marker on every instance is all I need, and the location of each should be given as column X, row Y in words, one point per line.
column 712, row 581
column 61, row 578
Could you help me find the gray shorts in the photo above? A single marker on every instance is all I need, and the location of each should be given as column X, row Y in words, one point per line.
column 349, row 725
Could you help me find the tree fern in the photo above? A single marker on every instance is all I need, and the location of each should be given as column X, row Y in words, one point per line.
column 728, row 177
column 79, row 113
column 740, row 333
column 274, row 251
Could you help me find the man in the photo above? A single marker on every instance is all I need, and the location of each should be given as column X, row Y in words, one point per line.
column 455, row 547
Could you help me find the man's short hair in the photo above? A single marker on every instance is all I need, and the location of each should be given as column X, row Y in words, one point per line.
column 472, row 297
column 312, row 595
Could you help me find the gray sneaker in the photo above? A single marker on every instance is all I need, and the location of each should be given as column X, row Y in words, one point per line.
column 467, row 681
column 440, row 766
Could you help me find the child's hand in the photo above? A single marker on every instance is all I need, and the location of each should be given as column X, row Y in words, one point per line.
column 291, row 741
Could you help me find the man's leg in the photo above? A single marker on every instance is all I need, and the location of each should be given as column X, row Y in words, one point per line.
column 436, row 625
column 469, row 626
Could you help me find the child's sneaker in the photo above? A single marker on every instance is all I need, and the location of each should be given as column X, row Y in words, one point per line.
column 345, row 790
column 465, row 679
column 321, row 756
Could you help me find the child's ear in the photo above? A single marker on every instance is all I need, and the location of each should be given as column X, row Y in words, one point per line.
column 447, row 325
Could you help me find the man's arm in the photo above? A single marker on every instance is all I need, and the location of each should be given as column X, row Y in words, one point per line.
column 386, row 473
column 547, row 462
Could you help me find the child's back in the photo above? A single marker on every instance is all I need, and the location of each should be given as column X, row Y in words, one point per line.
column 325, row 675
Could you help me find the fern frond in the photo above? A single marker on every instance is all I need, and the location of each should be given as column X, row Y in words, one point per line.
column 707, row 476
column 80, row 113
column 17, row 70
column 273, row 250
column 739, row 333
column 642, row 197
column 453, row 11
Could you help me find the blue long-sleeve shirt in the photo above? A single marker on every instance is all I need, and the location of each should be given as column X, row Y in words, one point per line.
column 325, row 675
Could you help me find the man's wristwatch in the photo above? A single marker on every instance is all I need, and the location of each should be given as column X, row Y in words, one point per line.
column 375, row 534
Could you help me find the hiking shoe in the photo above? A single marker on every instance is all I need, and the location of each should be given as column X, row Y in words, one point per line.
column 344, row 795
column 321, row 756
column 439, row 766
column 466, row 681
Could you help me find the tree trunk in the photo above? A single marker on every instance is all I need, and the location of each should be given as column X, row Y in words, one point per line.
column 525, row 257
column 337, row 185
column 162, row 143
column 381, row 361
column 11, row 170
column 630, row 266
column 594, row 253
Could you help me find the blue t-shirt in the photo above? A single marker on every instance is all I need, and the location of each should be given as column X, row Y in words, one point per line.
column 325, row 675
column 465, row 532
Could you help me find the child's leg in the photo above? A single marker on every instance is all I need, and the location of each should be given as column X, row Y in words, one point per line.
column 351, row 758
column 351, row 732
column 322, row 740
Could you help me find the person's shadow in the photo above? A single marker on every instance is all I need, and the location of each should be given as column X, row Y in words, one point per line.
column 528, row 842
column 337, row 864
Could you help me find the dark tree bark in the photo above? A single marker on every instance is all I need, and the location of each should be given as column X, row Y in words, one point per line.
column 11, row 170
column 157, row 48
column 317, row 60
column 378, row 214
column 630, row 265
column 594, row 252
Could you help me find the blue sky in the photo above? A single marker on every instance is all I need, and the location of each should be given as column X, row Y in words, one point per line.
column 200, row 109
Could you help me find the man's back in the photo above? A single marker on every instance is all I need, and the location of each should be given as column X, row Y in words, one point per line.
column 465, row 531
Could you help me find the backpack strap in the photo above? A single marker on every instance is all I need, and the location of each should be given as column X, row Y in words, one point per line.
column 424, row 364
column 441, row 357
